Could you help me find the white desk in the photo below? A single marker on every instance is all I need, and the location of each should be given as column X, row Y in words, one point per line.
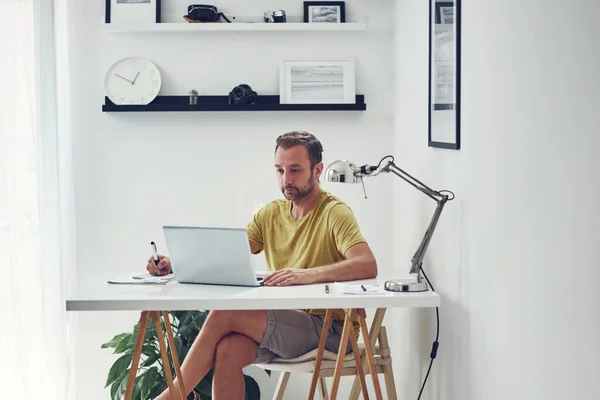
column 94, row 294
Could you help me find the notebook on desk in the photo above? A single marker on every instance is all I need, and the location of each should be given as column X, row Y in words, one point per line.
column 209, row 255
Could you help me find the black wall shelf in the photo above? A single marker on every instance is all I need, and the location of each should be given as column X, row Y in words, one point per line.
column 220, row 103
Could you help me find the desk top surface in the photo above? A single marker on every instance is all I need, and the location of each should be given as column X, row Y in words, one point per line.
column 94, row 294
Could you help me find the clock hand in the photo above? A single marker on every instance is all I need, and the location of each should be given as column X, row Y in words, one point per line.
column 123, row 78
column 134, row 79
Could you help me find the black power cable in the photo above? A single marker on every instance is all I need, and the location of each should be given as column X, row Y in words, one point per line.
column 436, row 344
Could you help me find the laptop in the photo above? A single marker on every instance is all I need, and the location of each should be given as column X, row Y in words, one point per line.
column 209, row 255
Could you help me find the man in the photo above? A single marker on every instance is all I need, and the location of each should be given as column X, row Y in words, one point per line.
column 308, row 237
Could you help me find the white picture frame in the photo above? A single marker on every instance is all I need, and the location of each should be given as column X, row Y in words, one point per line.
column 133, row 12
column 317, row 82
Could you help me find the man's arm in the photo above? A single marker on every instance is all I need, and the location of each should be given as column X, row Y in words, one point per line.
column 254, row 248
column 254, row 231
column 360, row 263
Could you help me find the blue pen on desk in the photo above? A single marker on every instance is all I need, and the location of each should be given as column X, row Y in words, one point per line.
column 363, row 288
column 154, row 253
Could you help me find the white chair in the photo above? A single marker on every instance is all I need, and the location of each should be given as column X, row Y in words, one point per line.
column 306, row 363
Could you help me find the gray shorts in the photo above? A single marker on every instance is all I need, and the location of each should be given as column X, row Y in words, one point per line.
column 291, row 333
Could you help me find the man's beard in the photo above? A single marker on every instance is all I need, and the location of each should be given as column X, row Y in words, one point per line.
column 298, row 194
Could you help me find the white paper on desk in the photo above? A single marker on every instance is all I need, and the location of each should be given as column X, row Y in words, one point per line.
column 143, row 279
column 150, row 276
column 358, row 289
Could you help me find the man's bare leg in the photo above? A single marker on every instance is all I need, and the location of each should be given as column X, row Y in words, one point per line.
column 219, row 324
column 234, row 352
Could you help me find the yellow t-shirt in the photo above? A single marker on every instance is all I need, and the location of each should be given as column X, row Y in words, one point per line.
column 321, row 237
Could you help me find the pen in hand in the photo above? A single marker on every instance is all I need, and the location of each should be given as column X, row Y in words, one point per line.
column 154, row 253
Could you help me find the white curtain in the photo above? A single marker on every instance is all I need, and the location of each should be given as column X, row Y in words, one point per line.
column 37, row 257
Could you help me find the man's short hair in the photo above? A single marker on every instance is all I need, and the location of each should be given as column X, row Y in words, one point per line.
column 301, row 138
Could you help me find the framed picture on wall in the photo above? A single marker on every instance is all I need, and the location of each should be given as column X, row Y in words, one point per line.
column 317, row 82
column 132, row 12
column 444, row 12
column 444, row 74
column 325, row 12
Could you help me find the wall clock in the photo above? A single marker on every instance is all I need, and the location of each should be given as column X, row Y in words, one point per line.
column 132, row 80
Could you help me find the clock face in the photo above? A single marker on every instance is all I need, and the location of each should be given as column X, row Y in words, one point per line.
column 132, row 80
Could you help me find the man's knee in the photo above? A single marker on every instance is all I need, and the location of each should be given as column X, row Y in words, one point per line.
column 220, row 317
column 252, row 323
column 236, row 350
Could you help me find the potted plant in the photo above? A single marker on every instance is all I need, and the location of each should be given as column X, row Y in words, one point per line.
column 150, row 380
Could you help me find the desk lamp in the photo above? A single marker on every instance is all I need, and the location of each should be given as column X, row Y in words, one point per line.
column 344, row 171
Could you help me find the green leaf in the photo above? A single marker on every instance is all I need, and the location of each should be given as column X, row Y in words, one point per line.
column 178, row 347
column 185, row 319
column 148, row 382
column 150, row 360
column 252, row 388
column 160, row 387
column 133, row 337
column 185, row 331
column 137, row 387
column 150, row 333
column 178, row 316
column 149, row 350
column 117, row 368
column 152, row 355
column 114, row 342
column 199, row 319
column 118, row 388
column 123, row 344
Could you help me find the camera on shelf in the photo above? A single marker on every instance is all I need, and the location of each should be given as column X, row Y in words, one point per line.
column 204, row 13
column 277, row 16
column 242, row 94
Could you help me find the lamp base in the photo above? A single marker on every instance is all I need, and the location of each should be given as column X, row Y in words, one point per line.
column 396, row 285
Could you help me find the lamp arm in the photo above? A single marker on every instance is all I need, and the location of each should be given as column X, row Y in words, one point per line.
column 439, row 198
column 433, row 194
column 417, row 259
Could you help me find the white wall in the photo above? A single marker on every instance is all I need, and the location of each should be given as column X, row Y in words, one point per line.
column 516, row 255
column 135, row 172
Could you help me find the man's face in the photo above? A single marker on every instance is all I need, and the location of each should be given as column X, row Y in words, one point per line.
column 296, row 178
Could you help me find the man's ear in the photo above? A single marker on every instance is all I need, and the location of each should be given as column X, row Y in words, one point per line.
column 318, row 170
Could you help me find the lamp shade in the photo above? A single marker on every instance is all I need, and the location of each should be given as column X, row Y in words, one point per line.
column 341, row 171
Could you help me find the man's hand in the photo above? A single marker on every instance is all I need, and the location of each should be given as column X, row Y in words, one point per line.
column 163, row 267
column 290, row 276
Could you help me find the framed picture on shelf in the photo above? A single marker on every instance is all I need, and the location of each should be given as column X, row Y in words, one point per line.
column 444, row 74
column 132, row 12
column 317, row 82
column 325, row 12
